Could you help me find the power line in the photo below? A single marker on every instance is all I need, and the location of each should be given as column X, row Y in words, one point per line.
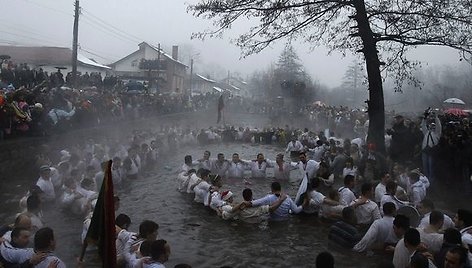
column 49, row 8
column 25, row 32
column 29, row 37
column 112, row 28
column 100, row 20
column 107, row 31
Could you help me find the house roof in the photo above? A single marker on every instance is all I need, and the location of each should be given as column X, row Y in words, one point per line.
column 218, row 89
column 154, row 48
column 205, row 79
column 45, row 56
column 87, row 61
column 237, row 88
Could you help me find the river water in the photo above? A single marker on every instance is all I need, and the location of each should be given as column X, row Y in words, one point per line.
column 196, row 235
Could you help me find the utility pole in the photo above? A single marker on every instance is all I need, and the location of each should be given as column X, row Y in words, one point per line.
column 191, row 75
column 75, row 43
column 158, row 68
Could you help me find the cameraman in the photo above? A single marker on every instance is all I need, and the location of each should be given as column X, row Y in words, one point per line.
column 399, row 145
column 432, row 133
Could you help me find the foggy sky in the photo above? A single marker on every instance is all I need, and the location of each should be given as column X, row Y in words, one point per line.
column 49, row 23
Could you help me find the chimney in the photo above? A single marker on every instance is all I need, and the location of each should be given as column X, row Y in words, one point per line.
column 175, row 52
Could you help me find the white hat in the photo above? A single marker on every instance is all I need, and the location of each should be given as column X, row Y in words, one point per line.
column 467, row 239
column 226, row 195
column 65, row 155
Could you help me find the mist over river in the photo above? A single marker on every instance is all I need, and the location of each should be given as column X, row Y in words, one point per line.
column 196, row 235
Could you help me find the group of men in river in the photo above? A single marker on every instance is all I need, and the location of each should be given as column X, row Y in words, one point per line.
column 364, row 222
column 363, row 211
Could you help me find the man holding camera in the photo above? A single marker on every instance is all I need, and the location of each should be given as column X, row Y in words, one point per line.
column 432, row 133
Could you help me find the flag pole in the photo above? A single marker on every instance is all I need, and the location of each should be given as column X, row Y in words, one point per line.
column 102, row 223
column 84, row 248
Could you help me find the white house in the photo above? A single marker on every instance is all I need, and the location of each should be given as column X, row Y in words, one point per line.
column 164, row 71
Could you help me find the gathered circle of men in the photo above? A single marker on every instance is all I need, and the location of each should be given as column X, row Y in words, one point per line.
column 373, row 209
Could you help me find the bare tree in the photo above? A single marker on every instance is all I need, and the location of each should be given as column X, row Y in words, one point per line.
column 377, row 27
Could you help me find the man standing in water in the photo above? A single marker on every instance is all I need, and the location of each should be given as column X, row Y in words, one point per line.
column 282, row 168
column 307, row 166
column 283, row 211
column 205, row 162
column 250, row 214
column 16, row 253
column 44, row 242
column 236, row 168
column 220, row 166
column 45, row 184
column 259, row 166
column 294, row 147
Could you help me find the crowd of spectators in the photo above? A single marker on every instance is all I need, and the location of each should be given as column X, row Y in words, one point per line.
column 35, row 103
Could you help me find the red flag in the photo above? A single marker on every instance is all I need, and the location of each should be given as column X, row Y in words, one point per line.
column 221, row 105
column 102, row 226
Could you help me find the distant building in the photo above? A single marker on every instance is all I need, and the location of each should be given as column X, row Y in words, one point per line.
column 165, row 72
column 49, row 58
column 202, row 84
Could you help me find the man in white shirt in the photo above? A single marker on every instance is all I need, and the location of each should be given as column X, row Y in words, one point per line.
column 380, row 190
column 153, row 152
column 418, row 187
column 430, row 235
column 132, row 163
column 258, row 167
column 206, row 162
column 308, row 167
column 294, row 147
column 318, row 151
column 122, row 223
column 251, row 214
column 202, row 187
column 188, row 164
column 44, row 242
column 424, row 208
column 379, row 231
column 45, row 184
column 184, row 178
column 406, row 248
column 281, row 168
column 317, row 199
column 346, row 195
column 220, row 166
column 366, row 210
column 117, row 172
column 194, row 179
column 16, row 253
column 463, row 221
column 236, row 168
column 389, row 196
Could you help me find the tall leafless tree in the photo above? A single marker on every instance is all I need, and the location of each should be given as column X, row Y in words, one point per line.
column 382, row 30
